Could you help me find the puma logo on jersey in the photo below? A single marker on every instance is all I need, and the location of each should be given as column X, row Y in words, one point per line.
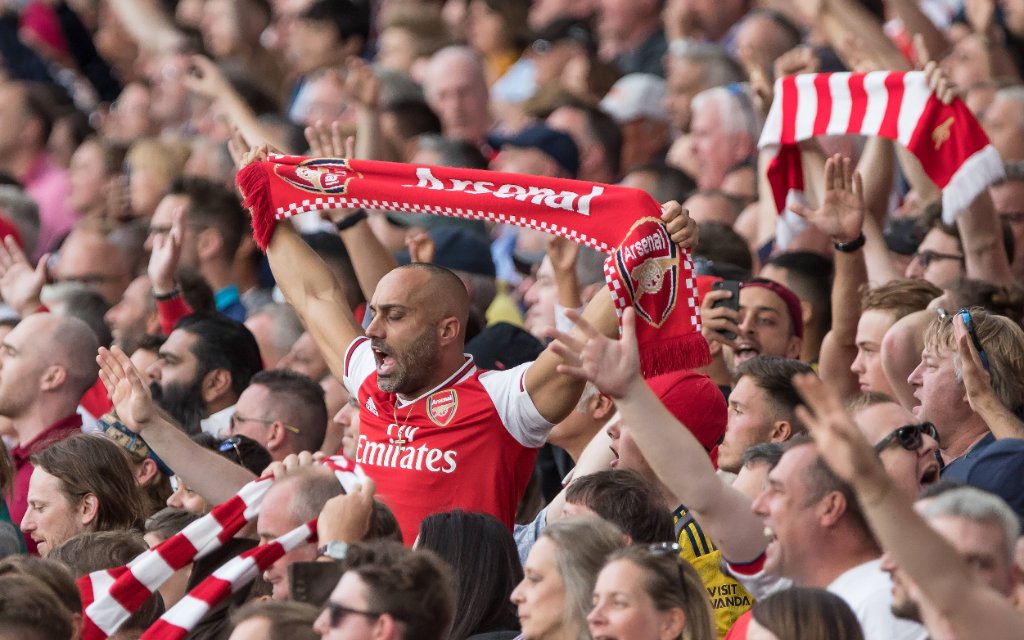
column 372, row 408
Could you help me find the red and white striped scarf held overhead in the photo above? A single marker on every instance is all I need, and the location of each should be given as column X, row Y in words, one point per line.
column 111, row 596
column 646, row 269
column 952, row 147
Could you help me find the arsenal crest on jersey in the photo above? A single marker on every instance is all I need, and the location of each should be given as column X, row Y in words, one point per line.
column 441, row 407
column 322, row 176
column 648, row 264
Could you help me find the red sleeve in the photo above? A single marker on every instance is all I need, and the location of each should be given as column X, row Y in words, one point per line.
column 170, row 311
column 96, row 401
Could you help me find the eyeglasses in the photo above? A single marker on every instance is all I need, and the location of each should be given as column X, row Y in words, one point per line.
column 337, row 612
column 237, row 420
column 231, row 443
column 965, row 315
column 1012, row 216
column 928, row 256
column 908, row 436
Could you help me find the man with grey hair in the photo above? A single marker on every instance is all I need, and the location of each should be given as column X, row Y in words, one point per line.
column 23, row 212
column 690, row 68
column 456, row 89
column 47, row 363
column 982, row 528
column 276, row 328
column 1004, row 123
column 723, row 131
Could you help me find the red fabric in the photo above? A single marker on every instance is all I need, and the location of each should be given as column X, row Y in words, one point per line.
column 96, row 401
column 440, row 452
column 646, row 269
column 739, row 628
column 20, row 456
column 170, row 311
column 948, row 140
column 696, row 401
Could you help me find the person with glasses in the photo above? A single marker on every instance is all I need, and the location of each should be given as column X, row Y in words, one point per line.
column 555, row 596
column 388, row 592
column 282, row 410
column 804, row 528
column 968, row 419
column 908, row 448
column 647, row 592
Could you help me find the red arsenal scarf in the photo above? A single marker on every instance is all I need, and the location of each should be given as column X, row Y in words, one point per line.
column 646, row 269
column 111, row 596
column 952, row 147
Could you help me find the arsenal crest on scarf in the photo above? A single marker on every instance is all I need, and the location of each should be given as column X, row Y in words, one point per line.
column 646, row 269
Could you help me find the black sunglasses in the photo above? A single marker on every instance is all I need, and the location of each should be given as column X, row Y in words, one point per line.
column 909, row 436
column 337, row 612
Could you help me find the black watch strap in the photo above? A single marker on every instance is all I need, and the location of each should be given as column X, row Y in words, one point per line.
column 350, row 221
column 851, row 246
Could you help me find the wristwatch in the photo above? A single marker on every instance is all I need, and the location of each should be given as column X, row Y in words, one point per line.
column 334, row 550
column 851, row 246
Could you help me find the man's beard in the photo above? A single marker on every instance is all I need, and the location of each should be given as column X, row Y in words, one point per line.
column 412, row 366
column 184, row 403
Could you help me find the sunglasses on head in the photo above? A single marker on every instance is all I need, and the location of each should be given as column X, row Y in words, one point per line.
column 965, row 315
column 909, row 436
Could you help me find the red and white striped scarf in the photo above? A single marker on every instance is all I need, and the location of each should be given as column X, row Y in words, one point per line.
column 948, row 140
column 111, row 596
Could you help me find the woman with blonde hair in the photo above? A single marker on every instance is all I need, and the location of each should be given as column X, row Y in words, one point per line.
column 152, row 164
column 647, row 592
column 554, row 597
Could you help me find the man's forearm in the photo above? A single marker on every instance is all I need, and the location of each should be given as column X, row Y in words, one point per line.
column 210, row 475
column 370, row 260
column 682, row 464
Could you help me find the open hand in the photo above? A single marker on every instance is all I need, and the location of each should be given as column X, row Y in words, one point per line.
column 362, row 84
column 327, row 141
column 842, row 211
column 840, row 443
column 128, row 391
column 612, row 365
column 20, row 283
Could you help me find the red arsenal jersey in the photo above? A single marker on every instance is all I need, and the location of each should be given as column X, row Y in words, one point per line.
column 469, row 443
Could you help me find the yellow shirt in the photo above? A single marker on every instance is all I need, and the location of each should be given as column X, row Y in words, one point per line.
column 729, row 599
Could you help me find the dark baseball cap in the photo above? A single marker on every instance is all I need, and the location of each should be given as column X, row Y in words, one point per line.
column 559, row 146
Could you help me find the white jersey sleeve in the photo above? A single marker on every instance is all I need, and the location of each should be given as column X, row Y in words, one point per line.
column 507, row 390
column 359, row 364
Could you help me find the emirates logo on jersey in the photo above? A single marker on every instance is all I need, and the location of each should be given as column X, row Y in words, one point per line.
column 322, row 176
column 441, row 407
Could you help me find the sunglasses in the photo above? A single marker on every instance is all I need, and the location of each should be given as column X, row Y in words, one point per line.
column 928, row 256
column 909, row 436
column 337, row 613
column 965, row 315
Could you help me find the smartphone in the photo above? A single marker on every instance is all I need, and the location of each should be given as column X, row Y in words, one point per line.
column 732, row 302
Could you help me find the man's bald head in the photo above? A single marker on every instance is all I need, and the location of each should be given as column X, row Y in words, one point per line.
column 443, row 292
column 70, row 343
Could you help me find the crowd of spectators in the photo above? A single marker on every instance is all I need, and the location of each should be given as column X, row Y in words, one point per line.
column 850, row 465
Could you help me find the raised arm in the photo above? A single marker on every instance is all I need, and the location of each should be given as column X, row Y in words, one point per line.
column 371, row 261
column 978, row 383
column 148, row 25
column 556, row 394
column 310, row 287
column 212, row 476
column 841, row 218
column 673, row 453
column 943, row 576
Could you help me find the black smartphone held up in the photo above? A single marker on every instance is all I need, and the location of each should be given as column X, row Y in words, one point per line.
column 732, row 302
